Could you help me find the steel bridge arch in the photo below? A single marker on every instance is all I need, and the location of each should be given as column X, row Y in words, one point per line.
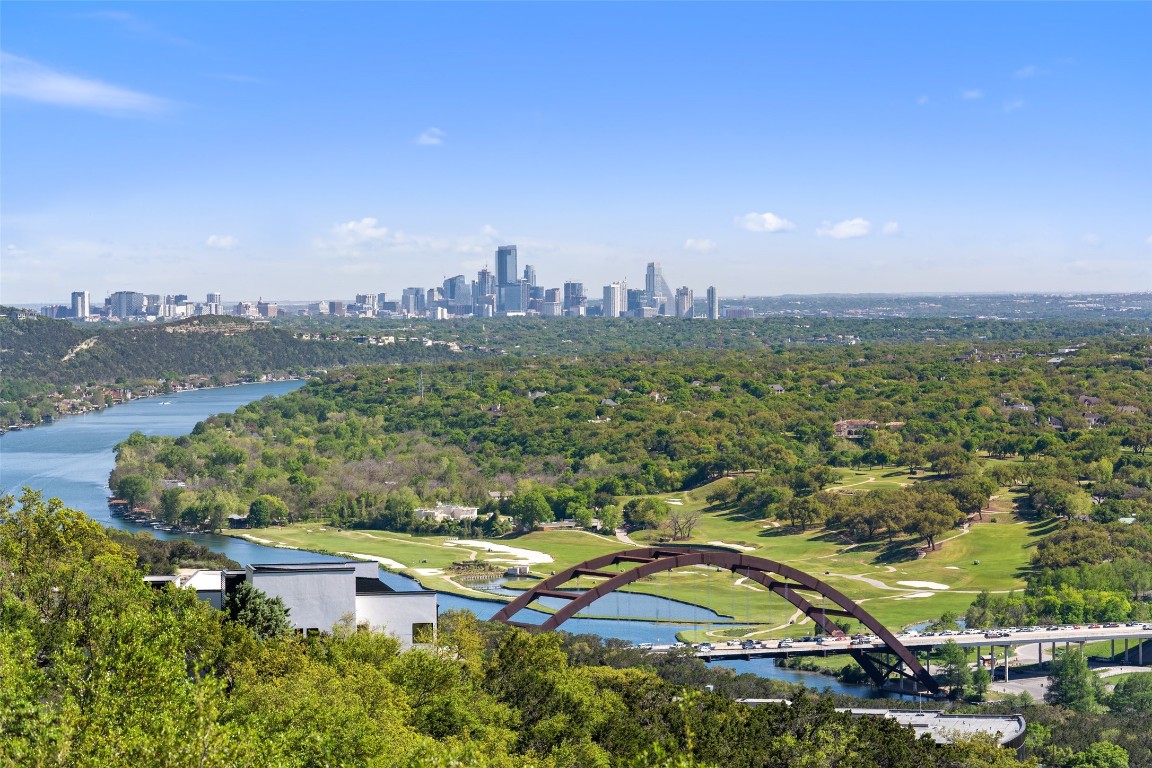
column 791, row 586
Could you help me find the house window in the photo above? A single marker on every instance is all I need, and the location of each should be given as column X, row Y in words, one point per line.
column 424, row 632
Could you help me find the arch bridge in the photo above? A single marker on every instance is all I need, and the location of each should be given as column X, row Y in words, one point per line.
column 793, row 585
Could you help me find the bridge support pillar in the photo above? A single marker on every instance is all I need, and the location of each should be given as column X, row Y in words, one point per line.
column 1039, row 655
column 1007, row 650
column 1113, row 649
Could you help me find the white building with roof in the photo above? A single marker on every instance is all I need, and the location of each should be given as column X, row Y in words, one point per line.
column 320, row 595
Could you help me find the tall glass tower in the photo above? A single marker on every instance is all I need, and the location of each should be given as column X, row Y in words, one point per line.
column 506, row 273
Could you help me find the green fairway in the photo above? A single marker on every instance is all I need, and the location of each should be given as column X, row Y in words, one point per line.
column 891, row 580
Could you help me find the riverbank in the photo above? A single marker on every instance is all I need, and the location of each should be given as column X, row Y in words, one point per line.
column 95, row 399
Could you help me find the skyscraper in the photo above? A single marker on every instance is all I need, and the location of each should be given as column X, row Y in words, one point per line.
column 126, row 304
column 657, row 287
column 506, row 265
column 530, row 275
column 574, row 298
column 684, row 302
column 215, row 298
column 81, row 304
column 614, row 297
column 713, row 304
column 485, row 283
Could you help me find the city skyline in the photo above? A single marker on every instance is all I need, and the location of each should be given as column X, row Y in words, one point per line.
column 509, row 292
column 765, row 149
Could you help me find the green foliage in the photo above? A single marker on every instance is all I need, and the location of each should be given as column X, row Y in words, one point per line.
column 1073, row 684
column 953, row 670
column 266, row 509
column 1099, row 755
column 265, row 617
column 1132, row 695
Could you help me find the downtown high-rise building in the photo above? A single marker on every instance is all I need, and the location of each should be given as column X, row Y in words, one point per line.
column 124, row 304
column 683, row 304
column 657, row 287
column 574, row 299
column 713, row 304
column 506, row 265
column 509, row 293
column 81, row 304
column 615, row 296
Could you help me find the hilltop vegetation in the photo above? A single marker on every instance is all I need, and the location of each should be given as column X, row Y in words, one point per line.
column 617, row 437
column 99, row 669
column 640, row 425
column 47, row 361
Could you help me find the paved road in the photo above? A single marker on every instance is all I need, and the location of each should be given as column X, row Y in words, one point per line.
column 1031, row 645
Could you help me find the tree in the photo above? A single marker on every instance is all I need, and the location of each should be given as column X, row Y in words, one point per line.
column 679, row 522
column 647, row 512
column 171, row 504
column 804, row 510
column 1102, row 754
column 1073, row 685
column 265, row 509
column 134, row 489
column 266, row 617
column 935, row 513
column 529, row 507
column 1133, row 694
column 953, row 668
column 610, row 518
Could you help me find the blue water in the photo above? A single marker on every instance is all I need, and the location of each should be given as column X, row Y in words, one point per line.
column 71, row 459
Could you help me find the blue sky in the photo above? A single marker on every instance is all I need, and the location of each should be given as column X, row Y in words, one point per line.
column 315, row 151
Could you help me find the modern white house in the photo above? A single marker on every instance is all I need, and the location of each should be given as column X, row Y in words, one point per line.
column 320, row 595
column 443, row 512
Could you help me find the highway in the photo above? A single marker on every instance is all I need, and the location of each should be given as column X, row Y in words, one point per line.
column 1134, row 634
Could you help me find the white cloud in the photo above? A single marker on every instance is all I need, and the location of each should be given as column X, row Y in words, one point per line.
column 1013, row 105
column 1090, row 238
column 25, row 79
column 1026, row 72
column 699, row 246
column 432, row 137
column 922, row 100
column 222, row 242
column 846, row 229
column 971, row 94
column 365, row 237
column 764, row 222
column 891, row 229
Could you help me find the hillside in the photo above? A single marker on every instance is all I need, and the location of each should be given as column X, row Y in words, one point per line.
column 40, row 357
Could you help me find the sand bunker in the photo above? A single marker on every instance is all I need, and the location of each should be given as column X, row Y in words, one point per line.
column 518, row 556
column 429, row 571
column 953, row 568
column 922, row 584
column 387, row 562
column 257, row 539
column 915, row 594
column 733, row 546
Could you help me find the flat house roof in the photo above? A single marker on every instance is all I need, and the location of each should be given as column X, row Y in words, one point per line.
column 316, row 567
column 942, row 727
column 945, row 728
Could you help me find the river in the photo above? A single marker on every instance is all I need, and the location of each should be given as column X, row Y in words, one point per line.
column 71, row 459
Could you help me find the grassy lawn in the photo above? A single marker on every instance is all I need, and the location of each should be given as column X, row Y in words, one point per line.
column 874, row 478
column 990, row 555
